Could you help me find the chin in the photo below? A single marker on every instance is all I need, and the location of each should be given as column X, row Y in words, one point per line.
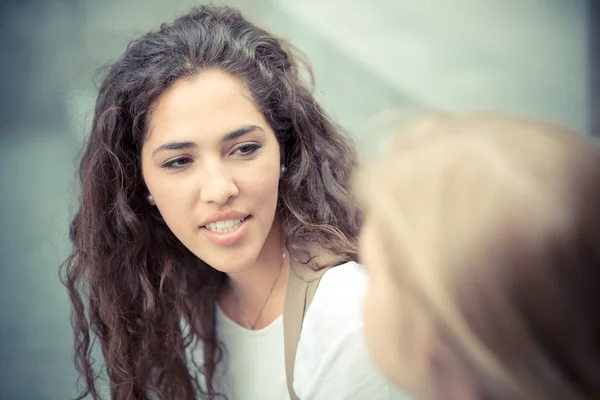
column 229, row 260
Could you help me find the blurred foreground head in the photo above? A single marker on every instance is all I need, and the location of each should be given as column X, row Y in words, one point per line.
column 482, row 239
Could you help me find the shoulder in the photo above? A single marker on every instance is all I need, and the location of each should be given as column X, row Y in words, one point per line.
column 332, row 360
column 350, row 273
column 336, row 309
column 332, row 325
column 338, row 299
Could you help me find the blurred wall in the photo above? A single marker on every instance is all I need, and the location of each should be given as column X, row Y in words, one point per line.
column 594, row 64
column 522, row 56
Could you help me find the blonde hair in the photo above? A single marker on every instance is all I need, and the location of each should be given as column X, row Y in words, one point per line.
column 492, row 224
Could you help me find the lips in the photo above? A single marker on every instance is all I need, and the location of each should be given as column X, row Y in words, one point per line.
column 227, row 232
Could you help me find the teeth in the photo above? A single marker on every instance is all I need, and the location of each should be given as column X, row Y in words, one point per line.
column 225, row 226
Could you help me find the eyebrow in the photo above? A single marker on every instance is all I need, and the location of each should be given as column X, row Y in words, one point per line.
column 240, row 132
column 174, row 146
column 236, row 134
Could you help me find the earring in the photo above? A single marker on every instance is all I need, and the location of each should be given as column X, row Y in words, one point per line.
column 150, row 199
column 283, row 169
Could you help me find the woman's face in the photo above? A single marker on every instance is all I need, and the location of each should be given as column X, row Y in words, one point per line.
column 212, row 164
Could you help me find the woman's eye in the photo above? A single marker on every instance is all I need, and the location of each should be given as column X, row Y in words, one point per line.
column 247, row 149
column 177, row 163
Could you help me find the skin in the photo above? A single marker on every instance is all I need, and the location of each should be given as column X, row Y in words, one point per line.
column 400, row 334
column 230, row 161
column 382, row 317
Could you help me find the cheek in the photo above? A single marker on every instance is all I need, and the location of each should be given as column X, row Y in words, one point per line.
column 373, row 310
column 381, row 323
column 175, row 199
column 260, row 185
column 397, row 333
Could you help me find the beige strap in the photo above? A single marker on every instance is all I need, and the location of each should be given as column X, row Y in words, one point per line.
column 302, row 286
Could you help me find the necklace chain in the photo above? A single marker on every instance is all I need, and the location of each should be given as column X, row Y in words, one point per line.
column 251, row 325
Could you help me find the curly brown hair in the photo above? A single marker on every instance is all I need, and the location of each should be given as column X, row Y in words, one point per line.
column 132, row 284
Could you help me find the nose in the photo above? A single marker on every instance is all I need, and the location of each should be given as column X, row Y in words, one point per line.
column 217, row 185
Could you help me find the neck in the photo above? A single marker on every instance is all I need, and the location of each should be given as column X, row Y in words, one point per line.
column 246, row 291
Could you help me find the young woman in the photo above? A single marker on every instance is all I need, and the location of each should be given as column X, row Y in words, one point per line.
column 482, row 237
column 209, row 168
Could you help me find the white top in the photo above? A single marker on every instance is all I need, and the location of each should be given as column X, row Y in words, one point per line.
column 332, row 361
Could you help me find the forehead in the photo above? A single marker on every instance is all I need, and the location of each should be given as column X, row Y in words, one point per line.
column 203, row 107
